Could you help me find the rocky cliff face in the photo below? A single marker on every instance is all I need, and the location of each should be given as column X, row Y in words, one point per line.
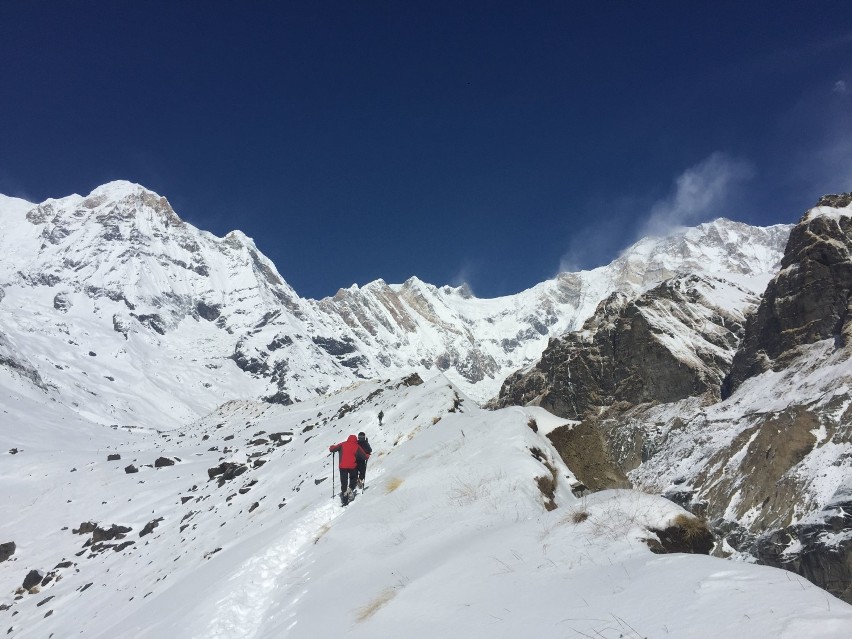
column 809, row 299
column 675, row 341
column 767, row 465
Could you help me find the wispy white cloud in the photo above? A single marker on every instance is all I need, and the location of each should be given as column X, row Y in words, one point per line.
column 840, row 88
column 701, row 192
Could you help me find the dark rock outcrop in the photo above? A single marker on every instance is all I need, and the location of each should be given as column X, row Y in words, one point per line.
column 149, row 527
column 85, row 528
column 61, row 302
column 131, row 469
column 32, row 579
column 819, row 550
column 7, row 550
column 162, row 462
column 107, row 534
column 279, row 398
column 113, row 457
column 226, row 471
column 209, row 312
column 808, row 301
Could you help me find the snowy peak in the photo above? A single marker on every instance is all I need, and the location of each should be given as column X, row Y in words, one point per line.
column 721, row 247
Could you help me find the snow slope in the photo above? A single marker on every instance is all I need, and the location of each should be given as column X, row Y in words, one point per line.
column 451, row 536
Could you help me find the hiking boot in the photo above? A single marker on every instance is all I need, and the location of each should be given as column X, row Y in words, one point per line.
column 361, row 484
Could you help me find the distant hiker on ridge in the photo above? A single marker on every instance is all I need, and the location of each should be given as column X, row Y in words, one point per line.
column 362, row 463
column 381, row 414
column 350, row 453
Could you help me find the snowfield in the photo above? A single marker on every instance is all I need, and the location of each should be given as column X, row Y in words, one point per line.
column 452, row 534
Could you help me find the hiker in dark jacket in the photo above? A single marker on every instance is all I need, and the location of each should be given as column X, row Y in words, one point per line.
column 350, row 453
column 362, row 464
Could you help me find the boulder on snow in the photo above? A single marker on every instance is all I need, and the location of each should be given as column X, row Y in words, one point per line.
column 7, row 550
column 32, row 579
column 163, row 461
column 131, row 469
column 113, row 457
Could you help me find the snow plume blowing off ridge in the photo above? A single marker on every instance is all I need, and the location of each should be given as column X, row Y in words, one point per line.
column 700, row 193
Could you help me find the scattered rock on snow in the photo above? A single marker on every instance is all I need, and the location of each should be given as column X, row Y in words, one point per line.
column 163, row 461
column 149, row 527
column 113, row 457
column 85, row 528
column 131, row 469
column 7, row 550
column 113, row 532
column 227, row 470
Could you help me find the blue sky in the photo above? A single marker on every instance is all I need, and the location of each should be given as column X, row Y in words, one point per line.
column 485, row 142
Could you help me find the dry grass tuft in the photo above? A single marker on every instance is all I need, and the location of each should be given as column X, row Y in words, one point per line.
column 365, row 612
column 533, row 424
column 547, row 486
column 435, row 420
column 392, row 484
column 546, row 483
column 579, row 516
column 464, row 493
column 693, row 528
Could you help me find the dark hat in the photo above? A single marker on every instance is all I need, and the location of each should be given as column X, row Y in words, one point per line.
column 361, row 435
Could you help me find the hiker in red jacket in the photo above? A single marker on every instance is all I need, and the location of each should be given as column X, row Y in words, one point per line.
column 350, row 454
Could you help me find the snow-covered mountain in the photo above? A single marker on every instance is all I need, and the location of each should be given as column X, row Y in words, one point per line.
column 468, row 527
column 114, row 295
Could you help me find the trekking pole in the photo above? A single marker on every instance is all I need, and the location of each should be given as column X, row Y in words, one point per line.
column 332, row 475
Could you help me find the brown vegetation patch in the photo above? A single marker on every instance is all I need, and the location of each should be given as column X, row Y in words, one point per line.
column 687, row 534
column 583, row 449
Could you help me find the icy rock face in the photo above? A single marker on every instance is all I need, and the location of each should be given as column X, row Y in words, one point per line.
column 820, row 550
column 810, row 298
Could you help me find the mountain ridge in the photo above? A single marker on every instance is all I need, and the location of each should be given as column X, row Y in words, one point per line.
column 127, row 261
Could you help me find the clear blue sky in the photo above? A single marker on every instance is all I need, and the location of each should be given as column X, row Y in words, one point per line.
column 487, row 142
